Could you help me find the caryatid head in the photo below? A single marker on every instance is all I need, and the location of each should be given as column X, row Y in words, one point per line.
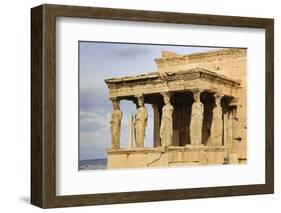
column 196, row 95
column 217, row 99
column 166, row 97
column 140, row 99
column 115, row 103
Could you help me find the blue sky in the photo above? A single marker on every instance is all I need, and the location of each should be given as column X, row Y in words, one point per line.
column 99, row 61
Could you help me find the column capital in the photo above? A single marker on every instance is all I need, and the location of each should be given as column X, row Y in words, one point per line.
column 218, row 95
column 140, row 95
column 218, row 98
column 139, row 100
column 166, row 97
column 115, row 103
column 197, row 94
column 113, row 99
column 166, row 93
column 196, row 91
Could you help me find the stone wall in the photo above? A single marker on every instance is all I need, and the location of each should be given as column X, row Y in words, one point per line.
column 165, row 157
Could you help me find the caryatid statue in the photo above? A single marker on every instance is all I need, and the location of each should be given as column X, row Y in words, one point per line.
column 140, row 122
column 115, row 124
column 196, row 121
column 166, row 127
column 216, row 127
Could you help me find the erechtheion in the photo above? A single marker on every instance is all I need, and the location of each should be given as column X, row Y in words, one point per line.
column 200, row 106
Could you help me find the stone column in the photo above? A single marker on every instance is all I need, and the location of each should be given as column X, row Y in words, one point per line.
column 156, row 126
column 229, row 137
column 225, row 134
column 140, row 122
column 115, row 124
column 130, row 132
column 196, row 121
column 217, row 123
column 166, row 128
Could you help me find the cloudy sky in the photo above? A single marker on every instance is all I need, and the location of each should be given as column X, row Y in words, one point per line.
column 99, row 61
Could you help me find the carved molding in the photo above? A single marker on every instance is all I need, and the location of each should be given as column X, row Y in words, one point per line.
column 186, row 75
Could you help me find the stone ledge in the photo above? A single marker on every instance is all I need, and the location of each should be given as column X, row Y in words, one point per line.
column 145, row 150
column 142, row 150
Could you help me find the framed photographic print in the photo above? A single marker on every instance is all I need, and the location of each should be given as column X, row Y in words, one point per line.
column 135, row 106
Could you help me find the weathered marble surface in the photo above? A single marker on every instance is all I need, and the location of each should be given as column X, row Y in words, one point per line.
column 166, row 157
column 196, row 122
column 166, row 128
column 186, row 79
column 115, row 124
column 217, row 125
column 140, row 122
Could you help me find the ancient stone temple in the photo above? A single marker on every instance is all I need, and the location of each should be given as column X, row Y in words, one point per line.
column 199, row 103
